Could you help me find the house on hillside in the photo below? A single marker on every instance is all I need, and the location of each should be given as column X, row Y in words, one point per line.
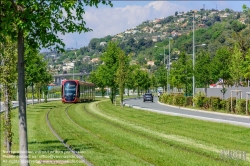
column 157, row 25
column 94, row 60
column 150, row 63
column 86, row 59
column 201, row 25
column 103, row 43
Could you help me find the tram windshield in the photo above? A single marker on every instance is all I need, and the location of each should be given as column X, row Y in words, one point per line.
column 70, row 88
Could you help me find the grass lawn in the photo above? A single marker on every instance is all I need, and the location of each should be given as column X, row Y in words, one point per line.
column 110, row 135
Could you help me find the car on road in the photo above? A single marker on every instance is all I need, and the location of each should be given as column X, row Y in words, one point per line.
column 148, row 97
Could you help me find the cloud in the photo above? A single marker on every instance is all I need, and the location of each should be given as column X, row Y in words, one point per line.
column 111, row 21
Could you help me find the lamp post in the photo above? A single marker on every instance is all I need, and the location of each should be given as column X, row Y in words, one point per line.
column 168, row 85
column 194, row 59
column 193, row 62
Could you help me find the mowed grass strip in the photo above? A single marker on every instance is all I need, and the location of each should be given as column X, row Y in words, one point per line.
column 96, row 151
column 151, row 150
column 44, row 147
column 109, row 142
column 221, row 135
column 157, row 122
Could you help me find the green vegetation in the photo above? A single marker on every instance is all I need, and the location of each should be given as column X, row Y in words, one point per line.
column 203, row 102
column 35, row 25
column 108, row 135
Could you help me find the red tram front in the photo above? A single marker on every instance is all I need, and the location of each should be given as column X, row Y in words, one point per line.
column 74, row 91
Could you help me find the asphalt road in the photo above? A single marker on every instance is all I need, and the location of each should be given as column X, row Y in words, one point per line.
column 15, row 103
column 185, row 112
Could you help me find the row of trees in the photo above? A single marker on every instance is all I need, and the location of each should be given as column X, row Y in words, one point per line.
column 38, row 23
column 116, row 72
column 36, row 74
column 231, row 64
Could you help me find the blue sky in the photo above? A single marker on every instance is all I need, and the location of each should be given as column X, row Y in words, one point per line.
column 124, row 15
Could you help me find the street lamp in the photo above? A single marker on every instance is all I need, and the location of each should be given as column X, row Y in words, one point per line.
column 168, row 85
column 194, row 59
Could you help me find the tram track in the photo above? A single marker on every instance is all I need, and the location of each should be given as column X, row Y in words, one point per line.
column 104, row 140
column 152, row 138
column 63, row 142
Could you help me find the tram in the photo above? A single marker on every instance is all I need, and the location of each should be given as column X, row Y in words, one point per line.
column 75, row 91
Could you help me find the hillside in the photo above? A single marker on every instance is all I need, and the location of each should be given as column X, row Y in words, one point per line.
column 150, row 40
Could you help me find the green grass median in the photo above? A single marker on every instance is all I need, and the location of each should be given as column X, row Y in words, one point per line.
column 105, row 134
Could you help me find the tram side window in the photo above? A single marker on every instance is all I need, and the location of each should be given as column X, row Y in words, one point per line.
column 83, row 91
column 78, row 91
column 62, row 91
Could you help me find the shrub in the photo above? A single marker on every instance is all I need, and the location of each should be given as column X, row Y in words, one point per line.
column 215, row 103
column 223, row 104
column 179, row 100
column 200, row 100
column 189, row 101
column 170, row 98
column 163, row 98
column 241, row 106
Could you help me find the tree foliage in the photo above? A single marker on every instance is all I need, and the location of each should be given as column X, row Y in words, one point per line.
column 236, row 65
column 38, row 23
column 122, row 73
column 8, row 80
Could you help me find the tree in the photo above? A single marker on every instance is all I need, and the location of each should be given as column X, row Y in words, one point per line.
column 181, row 73
column 153, row 82
column 8, row 60
column 220, row 66
column 161, row 76
column 130, row 81
column 121, row 73
column 110, row 60
column 38, row 23
column 203, row 70
column 236, row 65
column 35, row 70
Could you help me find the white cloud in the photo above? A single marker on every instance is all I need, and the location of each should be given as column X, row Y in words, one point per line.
column 111, row 21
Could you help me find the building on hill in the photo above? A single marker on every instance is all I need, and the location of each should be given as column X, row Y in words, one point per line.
column 94, row 60
column 103, row 43
column 150, row 63
column 86, row 59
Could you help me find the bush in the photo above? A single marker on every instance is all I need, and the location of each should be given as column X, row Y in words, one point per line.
column 189, row 101
column 241, row 106
column 215, row 103
column 170, row 99
column 179, row 100
column 163, row 98
column 200, row 100
column 223, row 104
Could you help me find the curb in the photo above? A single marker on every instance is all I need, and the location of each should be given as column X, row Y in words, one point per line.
column 209, row 112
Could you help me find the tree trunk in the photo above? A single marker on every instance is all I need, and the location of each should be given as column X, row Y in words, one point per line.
column 7, row 121
column 32, row 86
column 23, row 136
column 121, row 95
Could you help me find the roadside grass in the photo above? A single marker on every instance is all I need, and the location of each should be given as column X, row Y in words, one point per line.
column 43, row 145
column 153, row 151
column 111, row 135
column 220, row 134
column 223, row 137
